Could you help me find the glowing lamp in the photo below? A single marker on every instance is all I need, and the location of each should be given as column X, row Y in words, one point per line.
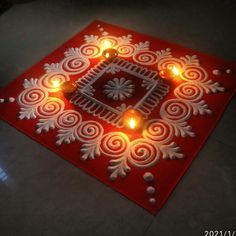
column 108, row 52
column 68, row 87
column 133, row 119
column 169, row 73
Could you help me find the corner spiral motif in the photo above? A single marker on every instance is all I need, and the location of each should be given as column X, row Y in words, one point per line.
column 32, row 97
column 68, row 119
column 74, row 64
column 189, row 91
column 158, row 130
column 176, row 110
column 50, row 107
column 145, row 57
column 114, row 144
column 47, row 80
column 89, row 131
column 90, row 50
column 143, row 153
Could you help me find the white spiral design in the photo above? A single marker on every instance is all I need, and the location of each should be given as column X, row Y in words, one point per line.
column 169, row 63
column 47, row 80
column 143, row 153
column 111, row 39
column 68, row 119
column 126, row 50
column 114, row 144
column 189, row 91
column 32, row 97
column 89, row 131
column 145, row 57
column 74, row 64
column 90, row 50
column 50, row 107
column 158, row 130
column 176, row 110
column 194, row 74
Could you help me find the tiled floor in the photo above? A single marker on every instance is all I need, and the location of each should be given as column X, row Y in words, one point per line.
column 44, row 195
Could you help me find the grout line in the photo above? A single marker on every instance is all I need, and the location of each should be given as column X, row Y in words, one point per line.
column 148, row 227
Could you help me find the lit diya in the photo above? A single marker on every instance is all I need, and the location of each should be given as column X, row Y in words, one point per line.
column 68, row 88
column 169, row 73
column 133, row 119
column 108, row 52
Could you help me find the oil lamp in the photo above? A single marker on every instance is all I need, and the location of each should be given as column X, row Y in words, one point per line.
column 68, row 87
column 133, row 119
column 169, row 73
column 108, row 52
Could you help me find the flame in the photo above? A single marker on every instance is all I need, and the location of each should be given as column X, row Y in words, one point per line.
column 106, row 44
column 175, row 71
column 56, row 83
column 132, row 123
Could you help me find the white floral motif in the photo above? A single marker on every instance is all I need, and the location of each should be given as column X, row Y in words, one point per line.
column 157, row 138
column 119, row 88
column 112, row 68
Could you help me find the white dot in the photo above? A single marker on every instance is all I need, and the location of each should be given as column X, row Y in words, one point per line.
column 104, row 33
column 150, row 190
column 11, row 99
column 216, row 72
column 228, row 71
column 148, row 177
column 152, row 200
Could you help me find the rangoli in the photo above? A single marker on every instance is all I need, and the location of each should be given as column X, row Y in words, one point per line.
column 88, row 129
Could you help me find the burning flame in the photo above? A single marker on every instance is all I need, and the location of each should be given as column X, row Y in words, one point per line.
column 175, row 71
column 56, row 83
column 106, row 44
column 132, row 123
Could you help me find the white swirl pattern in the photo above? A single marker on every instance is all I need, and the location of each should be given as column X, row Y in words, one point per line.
column 126, row 50
column 32, row 97
column 114, row 144
column 68, row 119
column 189, row 91
column 47, row 80
column 89, row 131
column 176, row 110
column 145, row 57
column 169, row 63
column 90, row 50
column 158, row 130
column 50, row 107
column 194, row 74
column 143, row 153
column 74, row 64
column 112, row 40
